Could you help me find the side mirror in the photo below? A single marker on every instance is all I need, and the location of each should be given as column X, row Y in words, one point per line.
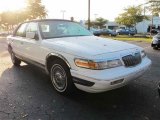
column 32, row 35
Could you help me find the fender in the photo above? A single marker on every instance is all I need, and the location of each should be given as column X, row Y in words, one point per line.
column 59, row 56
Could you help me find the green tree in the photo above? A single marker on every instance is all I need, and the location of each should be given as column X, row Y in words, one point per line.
column 154, row 7
column 21, row 16
column 8, row 19
column 131, row 16
column 92, row 23
column 98, row 23
column 35, row 9
column 11, row 18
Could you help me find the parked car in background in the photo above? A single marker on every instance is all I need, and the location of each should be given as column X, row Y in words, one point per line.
column 126, row 32
column 96, row 32
column 73, row 57
column 155, row 31
column 156, row 41
column 108, row 32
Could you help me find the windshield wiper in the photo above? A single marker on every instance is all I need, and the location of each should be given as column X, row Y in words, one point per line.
column 65, row 36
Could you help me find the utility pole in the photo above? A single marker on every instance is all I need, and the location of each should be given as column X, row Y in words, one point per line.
column 151, row 24
column 89, row 7
column 63, row 11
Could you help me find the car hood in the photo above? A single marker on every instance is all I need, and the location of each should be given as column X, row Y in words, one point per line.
column 88, row 45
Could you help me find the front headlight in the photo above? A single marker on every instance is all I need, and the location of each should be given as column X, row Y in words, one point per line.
column 143, row 54
column 90, row 64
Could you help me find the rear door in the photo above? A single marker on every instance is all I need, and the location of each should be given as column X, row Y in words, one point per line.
column 17, row 40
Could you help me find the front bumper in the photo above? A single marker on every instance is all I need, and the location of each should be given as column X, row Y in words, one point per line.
column 109, row 79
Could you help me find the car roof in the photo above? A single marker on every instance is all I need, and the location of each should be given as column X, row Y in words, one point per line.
column 42, row 20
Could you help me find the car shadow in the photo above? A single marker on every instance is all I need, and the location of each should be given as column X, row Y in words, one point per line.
column 30, row 86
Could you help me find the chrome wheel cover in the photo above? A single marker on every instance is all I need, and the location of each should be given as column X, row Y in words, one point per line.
column 59, row 78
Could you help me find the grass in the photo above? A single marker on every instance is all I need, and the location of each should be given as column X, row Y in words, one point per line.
column 130, row 38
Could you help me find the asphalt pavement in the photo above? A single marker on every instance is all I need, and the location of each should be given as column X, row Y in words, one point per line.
column 26, row 93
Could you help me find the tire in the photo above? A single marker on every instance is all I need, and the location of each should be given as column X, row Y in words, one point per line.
column 155, row 48
column 15, row 60
column 61, row 77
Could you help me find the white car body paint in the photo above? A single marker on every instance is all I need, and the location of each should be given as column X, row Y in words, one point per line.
column 87, row 47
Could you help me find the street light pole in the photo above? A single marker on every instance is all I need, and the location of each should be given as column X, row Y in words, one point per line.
column 89, row 5
column 63, row 11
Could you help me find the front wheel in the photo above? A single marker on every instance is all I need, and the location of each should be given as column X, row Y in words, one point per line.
column 61, row 77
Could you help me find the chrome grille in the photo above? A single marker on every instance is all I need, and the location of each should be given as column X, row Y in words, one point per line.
column 132, row 60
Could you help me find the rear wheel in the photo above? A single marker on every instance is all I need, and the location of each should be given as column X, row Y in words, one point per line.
column 61, row 77
column 14, row 59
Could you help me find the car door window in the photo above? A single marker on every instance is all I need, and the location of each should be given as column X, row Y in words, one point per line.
column 21, row 30
column 32, row 27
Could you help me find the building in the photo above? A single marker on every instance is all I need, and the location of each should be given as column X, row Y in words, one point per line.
column 114, row 26
column 145, row 25
column 141, row 27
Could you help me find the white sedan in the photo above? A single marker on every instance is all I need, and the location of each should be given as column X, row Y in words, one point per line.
column 73, row 57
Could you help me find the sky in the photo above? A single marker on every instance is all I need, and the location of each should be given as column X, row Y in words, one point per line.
column 108, row 9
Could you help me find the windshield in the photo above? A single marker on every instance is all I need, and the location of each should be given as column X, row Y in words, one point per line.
column 55, row 29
